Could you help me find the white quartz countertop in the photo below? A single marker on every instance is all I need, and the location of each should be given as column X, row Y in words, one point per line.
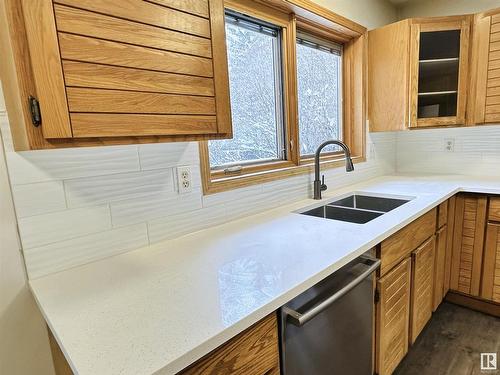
column 160, row 308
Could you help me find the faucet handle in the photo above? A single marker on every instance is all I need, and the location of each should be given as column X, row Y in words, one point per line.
column 323, row 186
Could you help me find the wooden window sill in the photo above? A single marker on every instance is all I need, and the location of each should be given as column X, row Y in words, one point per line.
column 218, row 182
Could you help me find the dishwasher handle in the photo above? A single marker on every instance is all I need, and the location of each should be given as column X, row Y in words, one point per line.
column 299, row 319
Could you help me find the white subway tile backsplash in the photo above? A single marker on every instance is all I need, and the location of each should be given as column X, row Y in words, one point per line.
column 166, row 155
column 177, row 225
column 143, row 209
column 62, row 255
column 230, row 195
column 46, row 165
column 39, row 198
column 476, row 151
column 103, row 189
column 44, row 229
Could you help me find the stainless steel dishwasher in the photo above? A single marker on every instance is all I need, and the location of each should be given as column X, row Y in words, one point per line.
column 328, row 329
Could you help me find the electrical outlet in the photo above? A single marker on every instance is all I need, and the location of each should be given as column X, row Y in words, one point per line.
column 449, row 144
column 184, row 179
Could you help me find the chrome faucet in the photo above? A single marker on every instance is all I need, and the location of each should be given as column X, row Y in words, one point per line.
column 320, row 186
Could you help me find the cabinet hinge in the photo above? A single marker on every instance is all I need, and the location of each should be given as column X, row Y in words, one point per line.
column 36, row 115
column 376, row 296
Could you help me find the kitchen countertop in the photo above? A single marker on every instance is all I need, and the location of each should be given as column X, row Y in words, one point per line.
column 160, row 308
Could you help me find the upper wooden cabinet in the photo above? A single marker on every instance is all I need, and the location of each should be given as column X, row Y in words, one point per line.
column 418, row 73
column 105, row 71
column 485, row 68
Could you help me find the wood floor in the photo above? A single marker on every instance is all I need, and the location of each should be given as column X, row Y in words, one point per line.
column 452, row 342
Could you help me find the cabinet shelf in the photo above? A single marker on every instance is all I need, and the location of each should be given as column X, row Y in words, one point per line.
column 437, row 93
column 434, row 61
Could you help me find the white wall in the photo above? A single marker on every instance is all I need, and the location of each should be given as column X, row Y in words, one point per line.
column 430, row 8
column 24, row 347
column 369, row 13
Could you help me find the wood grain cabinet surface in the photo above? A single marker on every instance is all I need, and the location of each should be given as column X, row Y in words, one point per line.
column 420, row 69
column 393, row 315
column 485, row 82
column 468, row 242
column 490, row 286
column 422, row 287
column 440, row 266
column 153, row 70
column 403, row 242
column 252, row 352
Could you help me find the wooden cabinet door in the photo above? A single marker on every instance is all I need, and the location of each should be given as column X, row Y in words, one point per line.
column 422, row 287
column 449, row 244
column 439, row 266
column 105, row 68
column 393, row 313
column 485, row 69
column 468, row 242
column 252, row 352
column 490, row 285
column 439, row 59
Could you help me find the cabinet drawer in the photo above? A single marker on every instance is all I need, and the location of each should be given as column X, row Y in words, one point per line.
column 422, row 282
column 402, row 243
column 442, row 214
column 494, row 211
column 252, row 352
column 393, row 312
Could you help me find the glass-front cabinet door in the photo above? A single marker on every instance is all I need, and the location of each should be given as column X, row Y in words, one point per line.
column 438, row 72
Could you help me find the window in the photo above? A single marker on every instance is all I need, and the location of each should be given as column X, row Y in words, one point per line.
column 255, row 80
column 295, row 82
column 319, row 91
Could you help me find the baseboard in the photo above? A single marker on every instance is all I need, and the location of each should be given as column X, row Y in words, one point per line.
column 474, row 303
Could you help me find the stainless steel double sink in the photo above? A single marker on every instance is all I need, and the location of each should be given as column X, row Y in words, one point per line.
column 356, row 208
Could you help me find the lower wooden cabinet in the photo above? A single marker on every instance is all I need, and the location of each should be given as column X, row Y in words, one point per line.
column 393, row 314
column 439, row 266
column 422, row 287
column 490, row 287
column 468, row 241
column 252, row 352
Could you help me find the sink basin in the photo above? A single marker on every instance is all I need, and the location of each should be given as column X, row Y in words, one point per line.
column 356, row 208
column 367, row 202
column 343, row 214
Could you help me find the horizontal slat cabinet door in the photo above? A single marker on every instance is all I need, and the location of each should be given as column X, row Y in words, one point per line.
column 439, row 266
column 449, row 244
column 422, row 287
column 131, row 68
column 393, row 312
column 442, row 214
column 253, row 352
column 492, row 102
column 468, row 242
column 490, row 285
column 494, row 210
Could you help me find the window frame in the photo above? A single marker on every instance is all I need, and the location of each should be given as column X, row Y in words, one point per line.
column 312, row 38
column 324, row 25
column 279, row 94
